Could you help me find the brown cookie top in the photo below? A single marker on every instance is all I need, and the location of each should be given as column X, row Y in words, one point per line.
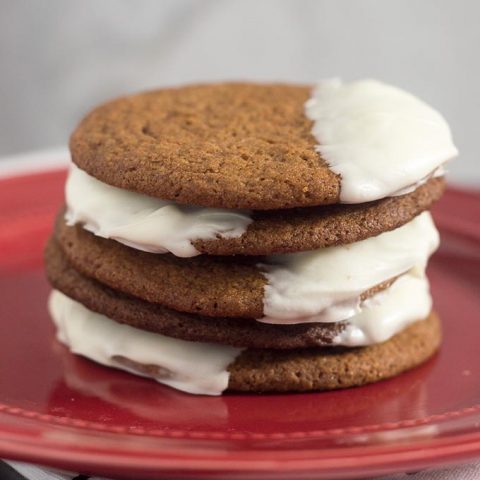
column 207, row 285
column 156, row 318
column 332, row 368
column 231, row 145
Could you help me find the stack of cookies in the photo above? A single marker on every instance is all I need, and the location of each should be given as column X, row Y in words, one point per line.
column 252, row 237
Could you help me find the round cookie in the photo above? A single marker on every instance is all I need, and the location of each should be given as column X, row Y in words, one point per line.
column 310, row 228
column 313, row 369
column 332, row 368
column 301, row 229
column 206, row 285
column 231, row 145
column 238, row 332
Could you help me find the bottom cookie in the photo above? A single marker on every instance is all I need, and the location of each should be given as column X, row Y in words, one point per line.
column 205, row 368
column 329, row 368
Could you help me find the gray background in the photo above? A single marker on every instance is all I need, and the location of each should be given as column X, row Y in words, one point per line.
column 60, row 57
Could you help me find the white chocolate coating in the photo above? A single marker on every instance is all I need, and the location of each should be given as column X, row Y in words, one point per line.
column 379, row 138
column 325, row 285
column 388, row 312
column 144, row 222
column 195, row 367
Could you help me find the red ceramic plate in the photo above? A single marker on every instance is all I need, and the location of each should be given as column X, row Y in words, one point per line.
column 67, row 412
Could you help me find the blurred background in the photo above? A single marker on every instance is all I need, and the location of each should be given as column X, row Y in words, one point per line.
column 59, row 58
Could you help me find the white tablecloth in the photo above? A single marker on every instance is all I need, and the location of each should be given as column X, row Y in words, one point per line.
column 469, row 471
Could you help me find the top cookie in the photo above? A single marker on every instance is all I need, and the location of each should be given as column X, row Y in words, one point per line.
column 230, row 145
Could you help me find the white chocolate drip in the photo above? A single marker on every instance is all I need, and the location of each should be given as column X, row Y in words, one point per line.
column 388, row 312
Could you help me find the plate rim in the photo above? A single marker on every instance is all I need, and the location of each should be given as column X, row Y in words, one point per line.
column 90, row 426
column 359, row 460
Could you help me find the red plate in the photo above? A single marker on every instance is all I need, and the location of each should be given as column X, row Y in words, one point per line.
column 66, row 412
